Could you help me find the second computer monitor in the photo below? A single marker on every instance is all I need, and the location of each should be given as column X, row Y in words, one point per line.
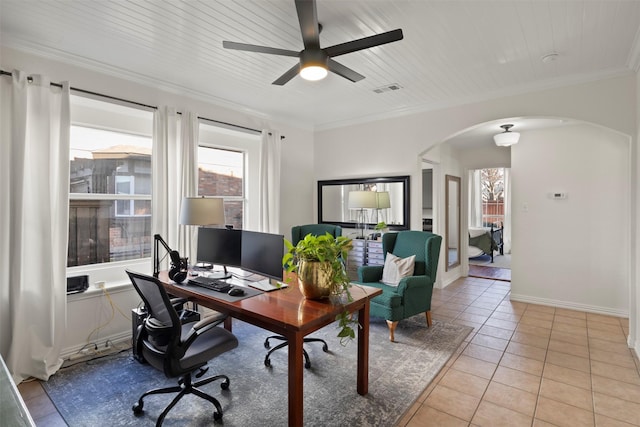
column 262, row 253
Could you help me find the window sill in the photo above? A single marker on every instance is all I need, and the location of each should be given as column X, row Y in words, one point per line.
column 93, row 292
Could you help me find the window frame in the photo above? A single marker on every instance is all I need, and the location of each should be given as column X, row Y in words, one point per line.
column 248, row 143
column 106, row 115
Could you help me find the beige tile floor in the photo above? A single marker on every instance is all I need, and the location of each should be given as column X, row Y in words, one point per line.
column 528, row 365
column 523, row 364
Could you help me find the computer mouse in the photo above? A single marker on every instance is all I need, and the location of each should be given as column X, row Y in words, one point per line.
column 236, row 292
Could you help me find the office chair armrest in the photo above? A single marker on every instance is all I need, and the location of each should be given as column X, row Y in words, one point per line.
column 178, row 301
column 213, row 320
column 201, row 327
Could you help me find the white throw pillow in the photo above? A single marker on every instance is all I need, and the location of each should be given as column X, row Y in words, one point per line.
column 396, row 268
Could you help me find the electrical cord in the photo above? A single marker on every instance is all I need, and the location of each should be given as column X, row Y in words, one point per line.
column 114, row 307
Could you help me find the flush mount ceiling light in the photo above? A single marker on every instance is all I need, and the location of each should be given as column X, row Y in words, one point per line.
column 313, row 65
column 506, row 138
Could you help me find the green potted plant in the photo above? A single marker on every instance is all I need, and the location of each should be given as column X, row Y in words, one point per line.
column 318, row 262
column 381, row 226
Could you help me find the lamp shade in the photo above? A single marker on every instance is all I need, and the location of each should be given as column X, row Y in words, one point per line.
column 363, row 200
column 506, row 138
column 202, row 211
column 382, row 200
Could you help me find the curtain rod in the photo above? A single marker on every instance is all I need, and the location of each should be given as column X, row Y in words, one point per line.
column 88, row 92
column 235, row 126
column 153, row 107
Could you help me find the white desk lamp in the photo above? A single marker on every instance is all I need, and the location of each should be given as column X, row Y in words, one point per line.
column 202, row 211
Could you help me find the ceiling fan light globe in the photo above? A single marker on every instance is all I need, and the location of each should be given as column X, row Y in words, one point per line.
column 313, row 72
column 506, row 139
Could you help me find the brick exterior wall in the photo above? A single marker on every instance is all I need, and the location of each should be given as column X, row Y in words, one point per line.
column 215, row 184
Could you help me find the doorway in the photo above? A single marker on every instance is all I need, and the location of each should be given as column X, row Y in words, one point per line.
column 489, row 226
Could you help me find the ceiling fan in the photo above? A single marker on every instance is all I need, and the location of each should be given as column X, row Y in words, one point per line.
column 314, row 61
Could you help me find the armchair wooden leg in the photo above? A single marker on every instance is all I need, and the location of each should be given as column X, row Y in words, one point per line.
column 428, row 313
column 392, row 329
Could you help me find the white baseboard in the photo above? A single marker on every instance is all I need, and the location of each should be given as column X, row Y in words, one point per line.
column 115, row 339
column 570, row 305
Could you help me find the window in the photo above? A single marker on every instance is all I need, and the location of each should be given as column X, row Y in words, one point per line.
column 110, row 184
column 228, row 167
column 220, row 174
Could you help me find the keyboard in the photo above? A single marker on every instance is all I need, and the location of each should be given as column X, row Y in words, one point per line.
column 218, row 285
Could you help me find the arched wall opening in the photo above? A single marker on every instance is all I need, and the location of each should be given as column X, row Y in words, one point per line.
column 573, row 252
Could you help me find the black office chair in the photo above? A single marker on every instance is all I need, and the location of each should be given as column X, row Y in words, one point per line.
column 179, row 349
column 298, row 233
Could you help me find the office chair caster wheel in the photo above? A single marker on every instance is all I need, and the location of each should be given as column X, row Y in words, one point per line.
column 224, row 385
column 267, row 363
column 325, row 348
column 307, row 365
column 137, row 408
column 266, row 344
column 217, row 416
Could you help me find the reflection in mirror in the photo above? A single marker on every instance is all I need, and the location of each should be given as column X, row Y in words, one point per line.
column 393, row 199
column 452, row 219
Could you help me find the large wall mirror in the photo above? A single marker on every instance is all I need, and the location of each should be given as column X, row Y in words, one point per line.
column 452, row 220
column 333, row 202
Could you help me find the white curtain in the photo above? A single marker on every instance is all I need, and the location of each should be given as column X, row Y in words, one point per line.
column 34, row 187
column 187, row 242
column 165, row 168
column 174, row 175
column 506, row 234
column 269, row 196
column 475, row 198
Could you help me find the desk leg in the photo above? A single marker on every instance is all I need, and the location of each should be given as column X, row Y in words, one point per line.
column 227, row 323
column 363, row 350
column 296, row 373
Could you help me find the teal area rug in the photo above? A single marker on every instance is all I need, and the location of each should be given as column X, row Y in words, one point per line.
column 102, row 392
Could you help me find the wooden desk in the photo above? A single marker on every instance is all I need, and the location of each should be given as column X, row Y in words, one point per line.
column 286, row 312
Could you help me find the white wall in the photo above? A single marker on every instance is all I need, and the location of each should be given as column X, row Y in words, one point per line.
column 610, row 103
column 572, row 252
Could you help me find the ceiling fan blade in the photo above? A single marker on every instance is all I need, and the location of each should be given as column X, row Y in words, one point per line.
column 308, row 18
column 291, row 73
column 259, row 49
column 364, row 43
column 344, row 71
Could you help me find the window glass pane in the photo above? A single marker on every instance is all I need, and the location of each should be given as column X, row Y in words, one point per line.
column 492, row 197
column 100, row 159
column 221, row 174
column 233, row 211
column 96, row 235
column 113, row 165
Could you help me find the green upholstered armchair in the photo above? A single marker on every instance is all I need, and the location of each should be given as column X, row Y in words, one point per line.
column 299, row 231
column 413, row 293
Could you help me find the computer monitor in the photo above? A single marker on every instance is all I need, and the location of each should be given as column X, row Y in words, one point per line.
column 220, row 246
column 262, row 253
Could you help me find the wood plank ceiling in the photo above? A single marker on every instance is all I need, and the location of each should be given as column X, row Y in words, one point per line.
column 453, row 52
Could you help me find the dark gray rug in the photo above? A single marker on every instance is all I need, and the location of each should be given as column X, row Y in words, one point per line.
column 102, row 392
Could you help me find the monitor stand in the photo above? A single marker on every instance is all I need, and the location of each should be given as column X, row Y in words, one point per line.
column 204, row 265
column 220, row 274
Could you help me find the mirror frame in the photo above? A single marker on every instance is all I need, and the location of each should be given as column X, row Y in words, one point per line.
column 449, row 179
column 404, row 180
